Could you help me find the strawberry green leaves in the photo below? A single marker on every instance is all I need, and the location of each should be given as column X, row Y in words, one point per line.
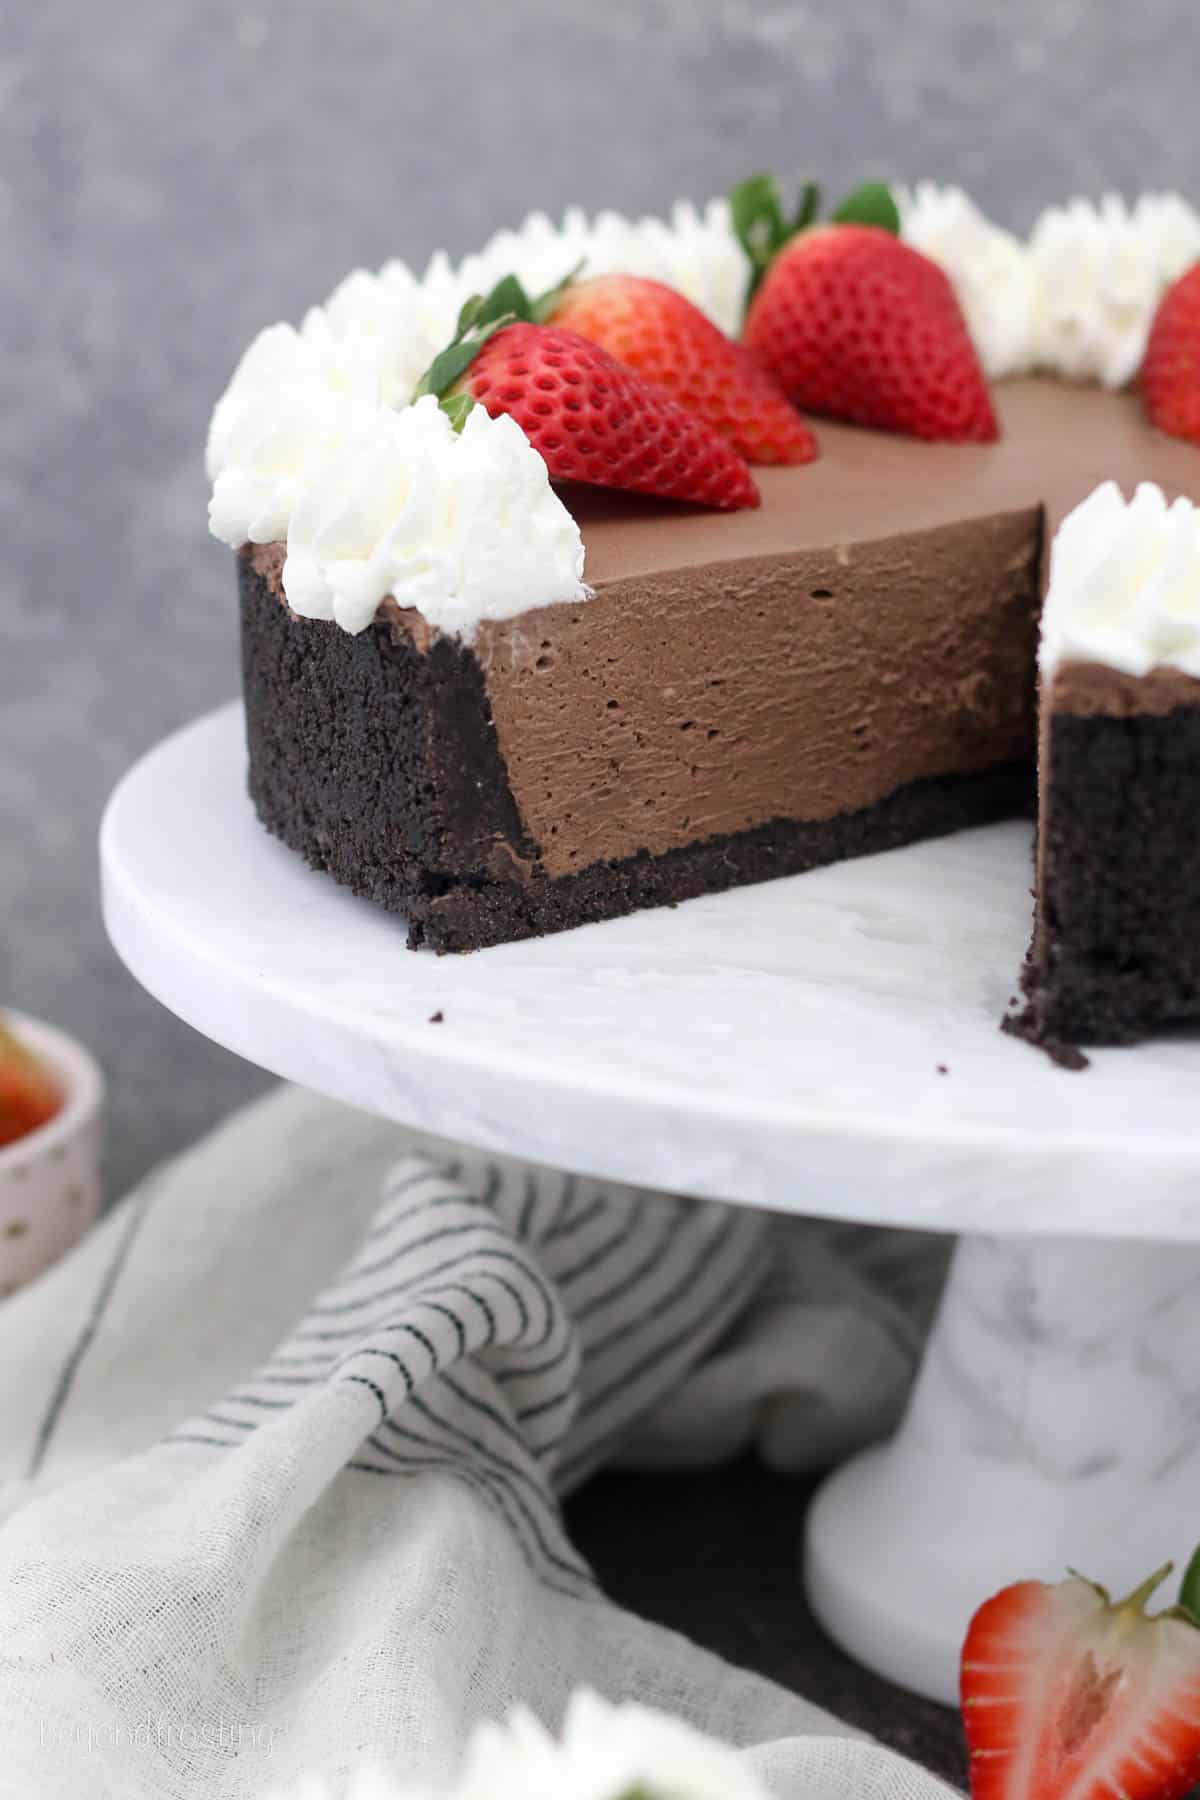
column 762, row 228
column 1189, row 1593
column 457, row 408
column 758, row 218
column 480, row 318
column 451, row 363
column 870, row 204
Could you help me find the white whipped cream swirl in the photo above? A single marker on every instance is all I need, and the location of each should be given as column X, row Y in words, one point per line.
column 1125, row 584
column 1102, row 270
column 411, row 317
column 605, row 1751
column 695, row 251
column 1078, row 299
column 314, row 440
column 282, row 417
column 376, row 499
column 462, row 526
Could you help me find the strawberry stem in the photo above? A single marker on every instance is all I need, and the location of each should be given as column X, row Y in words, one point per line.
column 507, row 300
column 756, row 213
column 478, row 318
column 808, row 207
column 1136, row 1603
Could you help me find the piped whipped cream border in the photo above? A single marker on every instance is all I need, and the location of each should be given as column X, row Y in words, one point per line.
column 315, row 441
column 1076, row 298
column 1124, row 585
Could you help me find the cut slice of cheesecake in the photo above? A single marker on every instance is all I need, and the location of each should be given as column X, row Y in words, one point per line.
column 1116, row 948
column 848, row 668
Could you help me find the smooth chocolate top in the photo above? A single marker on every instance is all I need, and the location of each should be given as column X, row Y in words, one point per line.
column 1058, row 442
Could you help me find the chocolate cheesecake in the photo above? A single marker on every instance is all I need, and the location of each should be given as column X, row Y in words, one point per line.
column 846, row 669
column 498, row 682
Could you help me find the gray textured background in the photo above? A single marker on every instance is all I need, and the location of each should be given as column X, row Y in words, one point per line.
column 173, row 176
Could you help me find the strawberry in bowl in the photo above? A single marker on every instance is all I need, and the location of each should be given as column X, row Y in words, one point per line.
column 29, row 1092
column 51, row 1095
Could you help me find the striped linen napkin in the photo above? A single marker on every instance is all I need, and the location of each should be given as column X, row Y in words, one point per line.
column 280, row 1470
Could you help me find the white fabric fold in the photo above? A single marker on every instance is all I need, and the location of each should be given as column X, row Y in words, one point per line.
column 281, row 1447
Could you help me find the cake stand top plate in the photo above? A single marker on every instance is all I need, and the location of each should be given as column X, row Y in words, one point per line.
column 780, row 1045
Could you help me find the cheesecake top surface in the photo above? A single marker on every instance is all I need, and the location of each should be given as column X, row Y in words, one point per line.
column 1059, row 441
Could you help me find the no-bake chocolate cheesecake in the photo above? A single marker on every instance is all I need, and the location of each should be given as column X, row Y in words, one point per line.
column 848, row 666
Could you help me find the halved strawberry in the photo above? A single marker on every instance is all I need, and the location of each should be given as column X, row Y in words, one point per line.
column 856, row 324
column 1066, row 1694
column 653, row 330
column 1171, row 370
column 29, row 1095
column 587, row 417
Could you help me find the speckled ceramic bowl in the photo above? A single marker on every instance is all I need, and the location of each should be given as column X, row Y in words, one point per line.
column 50, row 1179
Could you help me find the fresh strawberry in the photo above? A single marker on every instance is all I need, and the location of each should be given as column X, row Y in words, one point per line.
column 856, row 324
column 28, row 1094
column 1064, row 1693
column 1171, row 370
column 587, row 417
column 653, row 330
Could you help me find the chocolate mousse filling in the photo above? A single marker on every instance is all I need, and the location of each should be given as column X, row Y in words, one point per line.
column 683, row 708
column 847, row 669
column 405, row 798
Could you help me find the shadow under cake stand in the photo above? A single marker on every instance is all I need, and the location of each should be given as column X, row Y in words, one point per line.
column 827, row 1045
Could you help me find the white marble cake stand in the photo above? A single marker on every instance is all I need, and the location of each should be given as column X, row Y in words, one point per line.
column 827, row 1045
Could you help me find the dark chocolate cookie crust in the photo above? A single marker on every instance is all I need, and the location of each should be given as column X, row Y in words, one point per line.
column 379, row 764
column 1116, row 948
column 375, row 760
column 468, row 917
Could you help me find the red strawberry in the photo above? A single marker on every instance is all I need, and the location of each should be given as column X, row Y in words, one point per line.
column 1171, row 371
column 654, row 331
column 593, row 421
column 1064, row 1693
column 28, row 1093
column 856, row 324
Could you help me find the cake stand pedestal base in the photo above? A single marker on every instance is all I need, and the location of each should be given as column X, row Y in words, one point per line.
column 1056, row 1422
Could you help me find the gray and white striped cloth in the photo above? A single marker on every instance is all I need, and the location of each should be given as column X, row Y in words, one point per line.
column 282, row 1444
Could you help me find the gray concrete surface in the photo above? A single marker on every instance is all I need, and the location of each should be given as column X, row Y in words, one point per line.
column 172, row 176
